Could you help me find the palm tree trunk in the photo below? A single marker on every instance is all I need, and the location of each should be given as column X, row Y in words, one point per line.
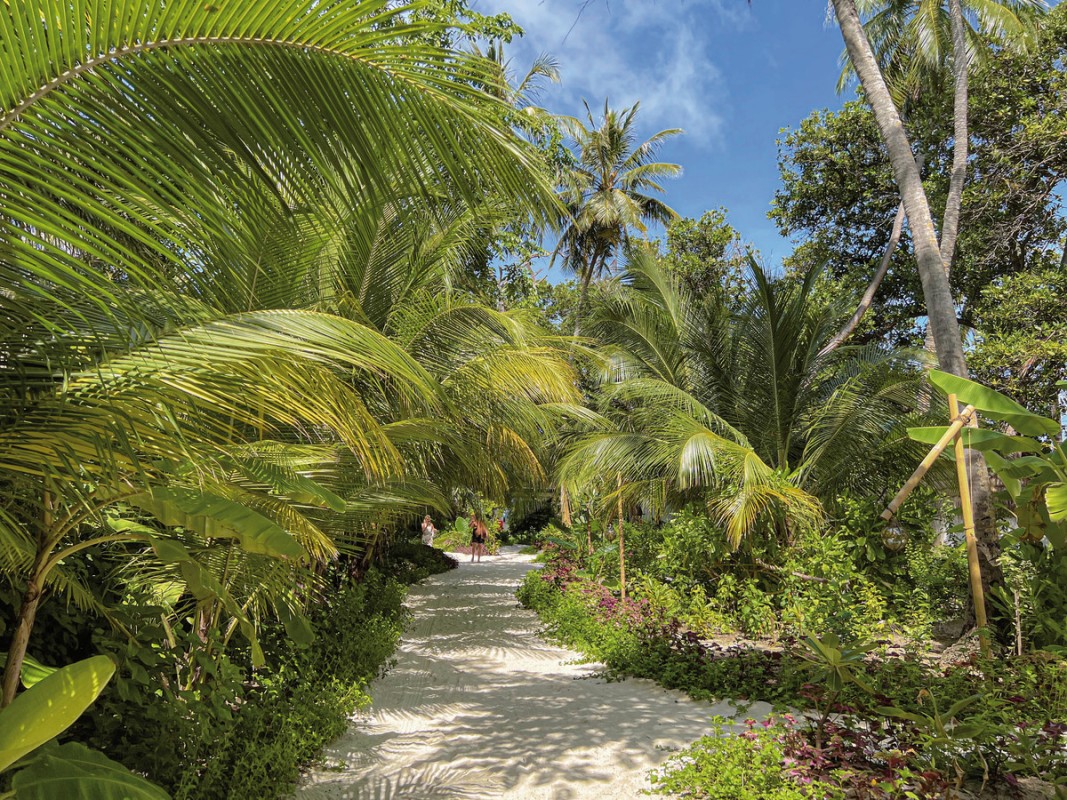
column 27, row 614
column 583, row 295
column 940, row 308
column 950, row 223
column 16, row 652
column 872, row 288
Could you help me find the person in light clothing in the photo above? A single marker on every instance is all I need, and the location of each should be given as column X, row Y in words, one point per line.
column 428, row 531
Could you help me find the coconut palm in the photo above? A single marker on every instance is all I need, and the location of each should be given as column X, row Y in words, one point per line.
column 608, row 192
column 920, row 43
column 933, row 258
column 913, row 39
column 735, row 407
column 149, row 357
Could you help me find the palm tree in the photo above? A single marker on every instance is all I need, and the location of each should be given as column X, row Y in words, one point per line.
column 940, row 308
column 739, row 407
column 155, row 166
column 918, row 43
column 518, row 93
column 607, row 192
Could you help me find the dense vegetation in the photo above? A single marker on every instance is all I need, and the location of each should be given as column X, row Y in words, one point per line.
column 267, row 298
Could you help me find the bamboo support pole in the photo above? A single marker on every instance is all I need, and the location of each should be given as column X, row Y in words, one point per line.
column 622, row 545
column 967, row 509
column 959, row 419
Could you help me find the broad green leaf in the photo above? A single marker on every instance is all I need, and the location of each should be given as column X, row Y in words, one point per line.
column 967, row 730
column 50, row 707
column 1056, row 498
column 1002, row 467
column 898, row 713
column 74, row 772
column 955, row 709
column 994, row 404
column 979, row 439
column 1033, row 467
column 218, row 517
column 205, row 586
column 1057, row 535
column 297, row 626
column 33, row 671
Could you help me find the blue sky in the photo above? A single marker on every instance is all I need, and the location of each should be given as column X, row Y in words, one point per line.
column 730, row 73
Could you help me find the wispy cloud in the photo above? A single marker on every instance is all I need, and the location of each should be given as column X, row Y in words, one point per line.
column 655, row 51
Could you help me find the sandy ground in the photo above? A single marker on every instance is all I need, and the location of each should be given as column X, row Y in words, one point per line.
column 479, row 706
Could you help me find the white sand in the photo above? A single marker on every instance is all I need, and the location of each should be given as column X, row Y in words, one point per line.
column 479, row 706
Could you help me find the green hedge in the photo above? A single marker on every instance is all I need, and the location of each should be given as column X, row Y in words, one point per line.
column 240, row 736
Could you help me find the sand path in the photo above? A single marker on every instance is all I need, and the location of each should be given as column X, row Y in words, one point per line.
column 479, row 706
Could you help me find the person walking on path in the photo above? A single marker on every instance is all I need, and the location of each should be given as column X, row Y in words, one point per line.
column 428, row 531
column 479, row 535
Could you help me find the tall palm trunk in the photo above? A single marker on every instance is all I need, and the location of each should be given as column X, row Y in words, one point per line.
column 950, row 223
column 27, row 613
column 583, row 293
column 940, row 309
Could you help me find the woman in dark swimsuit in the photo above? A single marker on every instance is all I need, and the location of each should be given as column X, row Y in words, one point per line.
column 479, row 533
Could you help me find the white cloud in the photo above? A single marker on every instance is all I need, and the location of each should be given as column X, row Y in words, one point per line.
column 655, row 51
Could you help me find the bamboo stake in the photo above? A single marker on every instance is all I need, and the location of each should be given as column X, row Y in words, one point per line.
column 977, row 593
column 589, row 527
column 622, row 546
column 958, row 421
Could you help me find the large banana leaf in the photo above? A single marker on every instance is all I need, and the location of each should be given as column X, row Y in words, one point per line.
column 979, row 439
column 995, row 405
column 214, row 517
column 50, row 707
column 74, row 772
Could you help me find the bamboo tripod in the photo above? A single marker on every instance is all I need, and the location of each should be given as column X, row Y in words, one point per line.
column 954, row 434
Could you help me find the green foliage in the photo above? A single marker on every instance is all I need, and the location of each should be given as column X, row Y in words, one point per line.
column 50, row 707
column 838, row 200
column 1035, row 484
column 53, row 702
column 736, row 407
column 227, row 736
column 706, row 255
column 1022, row 345
column 876, row 724
column 692, row 549
column 726, row 765
column 74, row 772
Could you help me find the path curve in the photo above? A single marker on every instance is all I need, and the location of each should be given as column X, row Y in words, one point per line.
column 478, row 706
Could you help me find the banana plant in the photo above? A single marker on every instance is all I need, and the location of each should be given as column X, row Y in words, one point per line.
column 1031, row 462
column 43, row 769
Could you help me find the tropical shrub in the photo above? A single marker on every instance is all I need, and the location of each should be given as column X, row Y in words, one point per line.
column 755, row 764
column 204, row 727
column 880, row 731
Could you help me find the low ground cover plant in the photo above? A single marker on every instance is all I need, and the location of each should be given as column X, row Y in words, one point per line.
column 878, row 723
